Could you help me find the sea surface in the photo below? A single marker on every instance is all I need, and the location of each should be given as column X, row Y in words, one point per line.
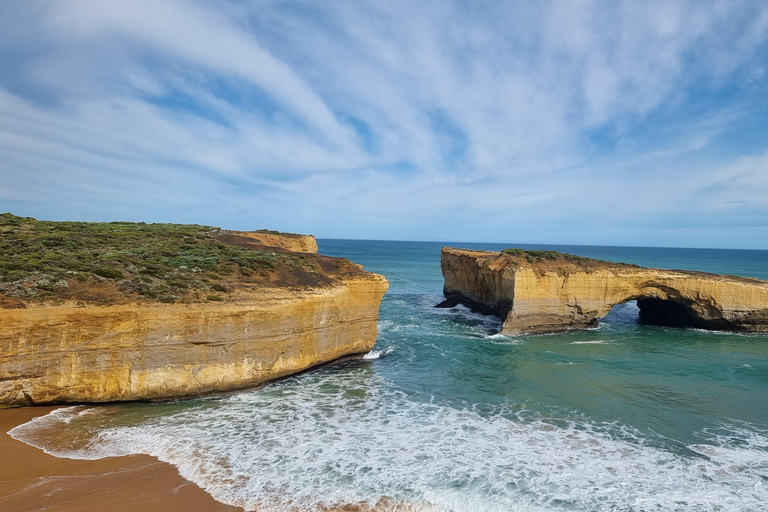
column 448, row 415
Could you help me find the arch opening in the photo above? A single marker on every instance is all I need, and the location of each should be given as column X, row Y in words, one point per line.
column 664, row 313
column 667, row 313
column 623, row 313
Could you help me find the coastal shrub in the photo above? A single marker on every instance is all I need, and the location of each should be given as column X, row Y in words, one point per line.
column 193, row 260
column 160, row 262
column 58, row 241
column 532, row 255
column 574, row 258
column 109, row 273
column 13, row 275
column 273, row 232
column 537, row 256
column 178, row 282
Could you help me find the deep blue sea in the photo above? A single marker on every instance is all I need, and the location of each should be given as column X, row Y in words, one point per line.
column 448, row 415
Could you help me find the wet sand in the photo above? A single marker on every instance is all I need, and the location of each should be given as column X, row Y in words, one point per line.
column 32, row 480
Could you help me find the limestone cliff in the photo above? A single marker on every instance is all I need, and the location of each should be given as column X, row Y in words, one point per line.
column 96, row 312
column 287, row 241
column 53, row 353
column 555, row 292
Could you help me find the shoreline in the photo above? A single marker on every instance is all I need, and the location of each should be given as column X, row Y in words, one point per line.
column 31, row 479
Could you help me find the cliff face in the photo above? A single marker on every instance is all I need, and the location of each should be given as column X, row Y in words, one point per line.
column 289, row 242
column 559, row 293
column 53, row 353
column 97, row 312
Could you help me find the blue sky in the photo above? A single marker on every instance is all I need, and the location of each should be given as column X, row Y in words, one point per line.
column 571, row 122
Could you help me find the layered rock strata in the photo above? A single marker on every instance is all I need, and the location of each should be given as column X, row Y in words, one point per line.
column 560, row 292
column 51, row 353
column 261, row 306
column 287, row 241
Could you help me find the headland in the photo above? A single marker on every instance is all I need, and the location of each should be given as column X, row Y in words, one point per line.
column 100, row 312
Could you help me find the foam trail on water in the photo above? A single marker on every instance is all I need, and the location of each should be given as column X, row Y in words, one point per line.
column 327, row 439
column 377, row 354
column 503, row 339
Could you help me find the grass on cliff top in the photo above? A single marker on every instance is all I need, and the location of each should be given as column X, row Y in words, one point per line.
column 536, row 256
column 279, row 233
column 101, row 261
column 543, row 257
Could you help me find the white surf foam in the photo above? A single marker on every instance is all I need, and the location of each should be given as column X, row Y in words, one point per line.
column 592, row 342
column 503, row 339
column 377, row 354
column 347, row 438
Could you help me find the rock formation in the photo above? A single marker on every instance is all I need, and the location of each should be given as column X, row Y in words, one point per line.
column 287, row 241
column 543, row 291
column 96, row 339
column 52, row 353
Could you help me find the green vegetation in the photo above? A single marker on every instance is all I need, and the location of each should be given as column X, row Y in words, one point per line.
column 280, row 233
column 161, row 262
column 534, row 256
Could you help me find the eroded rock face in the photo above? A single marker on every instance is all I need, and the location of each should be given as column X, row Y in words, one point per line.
column 560, row 294
column 51, row 353
column 289, row 242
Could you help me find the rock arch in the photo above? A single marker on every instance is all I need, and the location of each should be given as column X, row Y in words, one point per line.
column 561, row 292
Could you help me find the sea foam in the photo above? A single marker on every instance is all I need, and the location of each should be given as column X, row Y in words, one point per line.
column 349, row 437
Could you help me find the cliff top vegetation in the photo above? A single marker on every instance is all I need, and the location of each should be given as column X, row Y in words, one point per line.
column 116, row 261
column 536, row 256
column 560, row 261
column 278, row 233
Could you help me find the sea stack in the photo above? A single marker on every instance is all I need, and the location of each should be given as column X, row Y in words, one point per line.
column 546, row 291
column 100, row 312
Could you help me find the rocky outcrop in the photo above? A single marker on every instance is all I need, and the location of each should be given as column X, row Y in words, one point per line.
column 51, row 353
column 539, row 292
column 99, row 312
column 287, row 241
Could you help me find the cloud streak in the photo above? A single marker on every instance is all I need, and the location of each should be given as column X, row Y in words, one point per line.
column 512, row 121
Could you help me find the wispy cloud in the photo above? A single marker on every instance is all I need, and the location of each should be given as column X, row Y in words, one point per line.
column 560, row 121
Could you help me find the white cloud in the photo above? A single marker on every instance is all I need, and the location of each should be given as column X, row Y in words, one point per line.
column 390, row 116
column 203, row 37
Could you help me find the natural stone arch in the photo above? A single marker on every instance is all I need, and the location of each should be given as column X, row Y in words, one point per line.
column 563, row 292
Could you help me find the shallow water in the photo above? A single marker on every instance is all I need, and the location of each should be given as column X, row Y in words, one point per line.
column 446, row 414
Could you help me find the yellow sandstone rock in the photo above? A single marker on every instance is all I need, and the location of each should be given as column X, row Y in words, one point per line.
column 95, row 341
column 290, row 242
column 53, row 353
column 565, row 292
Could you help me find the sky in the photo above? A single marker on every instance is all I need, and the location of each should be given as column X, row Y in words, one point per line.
column 641, row 123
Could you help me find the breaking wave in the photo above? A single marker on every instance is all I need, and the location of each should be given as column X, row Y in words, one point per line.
column 320, row 440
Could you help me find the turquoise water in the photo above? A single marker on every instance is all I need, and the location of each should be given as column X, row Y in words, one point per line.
column 446, row 414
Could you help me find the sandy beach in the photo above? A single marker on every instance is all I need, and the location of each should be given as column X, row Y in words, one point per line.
column 31, row 480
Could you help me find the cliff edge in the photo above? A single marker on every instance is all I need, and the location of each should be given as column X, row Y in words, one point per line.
column 545, row 291
column 288, row 241
column 99, row 312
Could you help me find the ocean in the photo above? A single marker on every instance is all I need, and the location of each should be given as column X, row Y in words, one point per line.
column 448, row 415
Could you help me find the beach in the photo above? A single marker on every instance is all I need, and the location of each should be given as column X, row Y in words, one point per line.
column 32, row 480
